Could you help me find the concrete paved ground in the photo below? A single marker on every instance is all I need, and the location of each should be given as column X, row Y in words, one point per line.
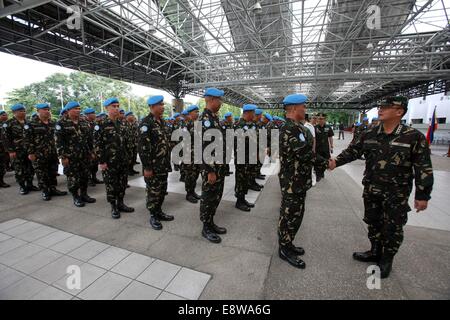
column 246, row 264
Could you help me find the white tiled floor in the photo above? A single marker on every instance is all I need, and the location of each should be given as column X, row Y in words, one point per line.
column 34, row 261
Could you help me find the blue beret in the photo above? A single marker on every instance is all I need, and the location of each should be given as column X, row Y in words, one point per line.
column 268, row 116
column 295, row 99
column 249, row 107
column 192, row 108
column 228, row 114
column 358, row 124
column 2, row 112
column 109, row 101
column 42, row 106
column 71, row 104
column 281, row 119
column 63, row 110
column 176, row 115
column 236, row 118
column 258, row 112
column 171, row 118
column 184, row 113
column 365, row 119
column 213, row 92
column 154, row 100
column 17, row 106
column 89, row 111
column 129, row 113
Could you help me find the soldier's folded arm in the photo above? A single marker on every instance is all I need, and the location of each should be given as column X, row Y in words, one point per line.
column 423, row 170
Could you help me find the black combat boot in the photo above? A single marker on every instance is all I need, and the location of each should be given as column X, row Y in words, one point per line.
column 164, row 217
column 77, row 201
column 56, row 192
column 3, row 184
column 209, row 234
column 191, row 198
column 196, row 195
column 241, row 205
column 23, row 189
column 85, row 197
column 255, row 187
column 115, row 213
column 217, row 229
column 122, row 207
column 154, row 222
column 298, row 250
column 291, row 257
column 46, row 195
column 261, row 176
column 31, row 187
column 385, row 265
column 248, row 204
column 373, row 255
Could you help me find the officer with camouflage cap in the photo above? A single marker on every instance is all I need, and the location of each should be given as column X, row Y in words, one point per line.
column 395, row 155
column 14, row 142
column 324, row 142
column 296, row 163
column 41, row 147
column 213, row 172
column 154, row 147
column 4, row 157
column 112, row 154
column 75, row 149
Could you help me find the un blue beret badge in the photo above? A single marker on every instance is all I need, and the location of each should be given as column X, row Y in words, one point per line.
column 144, row 129
column 26, row 127
column 245, row 128
column 58, row 127
column 223, row 127
column 301, row 137
column 5, row 125
column 96, row 128
column 207, row 123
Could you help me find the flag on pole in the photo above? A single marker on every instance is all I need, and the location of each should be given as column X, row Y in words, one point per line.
column 432, row 128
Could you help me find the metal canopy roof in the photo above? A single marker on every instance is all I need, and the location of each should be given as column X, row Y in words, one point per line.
column 323, row 48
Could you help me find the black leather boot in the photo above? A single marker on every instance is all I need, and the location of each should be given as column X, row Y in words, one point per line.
column 46, row 194
column 261, row 177
column 154, row 222
column 255, row 187
column 77, row 201
column 291, row 257
column 196, row 195
column 385, row 265
column 23, row 189
column 373, row 255
column 85, row 197
column 122, row 207
column 298, row 250
column 191, row 198
column 240, row 204
column 209, row 234
column 31, row 187
column 56, row 192
column 115, row 213
column 217, row 229
column 164, row 217
column 248, row 204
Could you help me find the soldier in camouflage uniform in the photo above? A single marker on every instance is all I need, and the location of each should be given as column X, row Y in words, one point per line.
column 176, row 124
column 75, row 148
column 259, row 127
column 395, row 155
column 324, row 143
column 227, row 123
column 93, row 167
column 245, row 128
column 213, row 172
column 14, row 142
column 296, row 163
column 112, row 154
column 191, row 170
column 360, row 129
column 133, row 129
column 154, row 147
column 183, row 124
column 41, row 148
column 4, row 157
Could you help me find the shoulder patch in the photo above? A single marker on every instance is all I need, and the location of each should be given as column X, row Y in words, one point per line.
column 26, row 127
column 5, row 125
column 207, row 123
column 245, row 127
column 97, row 127
column 58, row 127
column 144, row 129
column 301, row 137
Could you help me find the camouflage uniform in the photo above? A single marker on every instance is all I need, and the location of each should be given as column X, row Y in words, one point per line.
column 226, row 125
column 257, row 167
column 245, row 173
column 154, row 149
column 211, row 193
column 93, row 165
column 40, row 141
column 296, row 162
column 192, row 170
column 179, row 124
column 74, row 142
column 323, row 145
column 110, row 141
column 132, row 144
column 393, row 161
column 14, row 141
column 4, row 157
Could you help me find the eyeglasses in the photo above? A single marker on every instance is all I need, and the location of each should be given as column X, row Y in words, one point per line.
column 388, row 107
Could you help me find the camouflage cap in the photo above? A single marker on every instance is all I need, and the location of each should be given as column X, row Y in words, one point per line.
column 397, row 100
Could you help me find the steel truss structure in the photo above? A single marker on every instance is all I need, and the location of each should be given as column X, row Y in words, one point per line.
column 341, row 53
